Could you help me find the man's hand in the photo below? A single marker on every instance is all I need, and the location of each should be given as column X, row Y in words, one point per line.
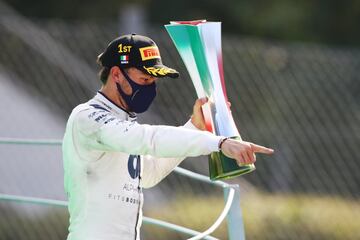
column 243, row 152
column 197, row 118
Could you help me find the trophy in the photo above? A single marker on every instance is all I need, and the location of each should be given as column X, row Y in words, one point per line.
column 199, row 45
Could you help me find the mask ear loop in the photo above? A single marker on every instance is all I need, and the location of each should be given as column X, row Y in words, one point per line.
column 131, row 82
column 125, row 75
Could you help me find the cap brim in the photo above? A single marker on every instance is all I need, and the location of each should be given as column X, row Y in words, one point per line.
column 160, row 71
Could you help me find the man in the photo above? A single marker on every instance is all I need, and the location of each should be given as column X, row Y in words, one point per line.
column 109, row 157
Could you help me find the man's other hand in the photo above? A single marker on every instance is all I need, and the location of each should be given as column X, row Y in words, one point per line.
column 197, row 118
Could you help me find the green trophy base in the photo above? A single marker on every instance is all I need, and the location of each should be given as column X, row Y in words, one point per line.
column 223, row 167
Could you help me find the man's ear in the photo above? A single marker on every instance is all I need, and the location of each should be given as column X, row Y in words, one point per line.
column 116, row 74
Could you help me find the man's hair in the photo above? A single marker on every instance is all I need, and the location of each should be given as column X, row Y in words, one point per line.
column 105, row 71
column 104, row 74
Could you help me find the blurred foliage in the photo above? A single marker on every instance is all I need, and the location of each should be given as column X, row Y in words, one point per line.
column 268, row 216
column 292, row 216
column 21, row 221
column 328, row 21
column 197, row 213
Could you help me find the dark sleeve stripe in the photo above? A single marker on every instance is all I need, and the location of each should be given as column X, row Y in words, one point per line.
column 97, row 106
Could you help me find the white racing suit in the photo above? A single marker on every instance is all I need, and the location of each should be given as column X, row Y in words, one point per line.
column 109, row 157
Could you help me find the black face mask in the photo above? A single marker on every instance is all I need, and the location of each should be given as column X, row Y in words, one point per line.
column 141, row 97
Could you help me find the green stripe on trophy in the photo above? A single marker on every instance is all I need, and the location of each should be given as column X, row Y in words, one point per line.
column 188, row 42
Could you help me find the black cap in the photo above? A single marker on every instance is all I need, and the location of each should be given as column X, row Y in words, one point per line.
column 138, row 51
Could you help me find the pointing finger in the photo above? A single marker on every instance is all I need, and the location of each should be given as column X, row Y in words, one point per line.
column 261, row 149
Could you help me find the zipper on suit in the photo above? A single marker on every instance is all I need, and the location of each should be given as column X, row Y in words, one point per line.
column 138, row 213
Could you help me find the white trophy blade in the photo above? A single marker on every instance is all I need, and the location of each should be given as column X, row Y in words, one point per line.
column 211, row 39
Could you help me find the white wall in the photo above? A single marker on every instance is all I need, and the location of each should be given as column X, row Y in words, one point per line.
column 29, row 170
